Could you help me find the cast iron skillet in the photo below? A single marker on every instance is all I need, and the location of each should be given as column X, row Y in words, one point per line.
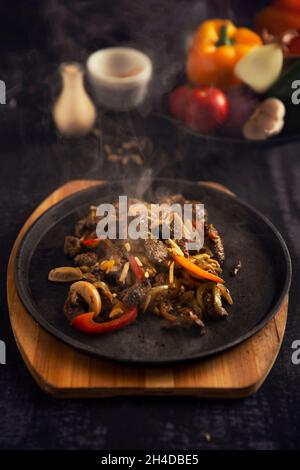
column 257, row 291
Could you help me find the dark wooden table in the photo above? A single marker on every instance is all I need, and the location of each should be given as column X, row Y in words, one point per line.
column 34, row 161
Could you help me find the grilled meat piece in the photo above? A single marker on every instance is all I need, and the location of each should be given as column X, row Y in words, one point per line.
column 85, row 224
column 86, row 259
column 136, row 294
column 209, row 304
column 187, row 317
column 72, row 246
column 157, row 251
column 114, row 250
column 183, row 246
column 73, row 308
column 183, row 316
column 121, row 253
column 98, row 273
column 79, row 228
column 215, row 242
column 160, row 279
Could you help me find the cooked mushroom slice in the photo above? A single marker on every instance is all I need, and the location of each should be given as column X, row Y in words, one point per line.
column 65, row 274
column 267, row 120
column 89, row 294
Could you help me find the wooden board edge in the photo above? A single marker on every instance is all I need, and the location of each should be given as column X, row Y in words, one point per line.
column 109, row 392
column 207, row 392
column 70, row 187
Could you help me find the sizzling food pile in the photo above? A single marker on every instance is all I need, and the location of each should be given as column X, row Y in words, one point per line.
column 114, row 281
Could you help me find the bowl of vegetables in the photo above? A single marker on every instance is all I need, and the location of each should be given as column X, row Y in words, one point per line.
column 239, row 84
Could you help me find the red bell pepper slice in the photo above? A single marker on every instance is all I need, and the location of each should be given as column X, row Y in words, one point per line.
column 91, row 242
column 85, row 322
column 137, row 270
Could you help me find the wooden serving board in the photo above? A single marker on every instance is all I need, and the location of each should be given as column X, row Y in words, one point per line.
column 65, row 372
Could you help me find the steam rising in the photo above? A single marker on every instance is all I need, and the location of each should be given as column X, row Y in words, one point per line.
column 70, row 31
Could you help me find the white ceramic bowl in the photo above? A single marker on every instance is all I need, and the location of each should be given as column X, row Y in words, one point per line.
column 120, row 77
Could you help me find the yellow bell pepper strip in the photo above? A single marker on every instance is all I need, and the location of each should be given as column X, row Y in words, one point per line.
column 216, row 47
column 195, row 270
column 85, row 322
column 279, row 17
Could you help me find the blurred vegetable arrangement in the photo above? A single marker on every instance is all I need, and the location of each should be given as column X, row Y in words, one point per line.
column 239, row 81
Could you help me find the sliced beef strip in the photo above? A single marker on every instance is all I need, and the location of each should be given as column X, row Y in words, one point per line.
column 121, row 252
column 160, row 279
column 183, row 246
column 215, row 242
column 98, row 273
column 72, row 246
column 79, row 228
column 135, row 295
column 85, row 224
column 73, row 308
column 114, row 250
column 157, row 252
column 86, row 259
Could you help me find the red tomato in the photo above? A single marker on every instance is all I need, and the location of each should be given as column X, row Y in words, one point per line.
column 178, row 101
column 207, row 109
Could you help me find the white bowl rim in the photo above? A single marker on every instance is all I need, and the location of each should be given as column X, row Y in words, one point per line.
column 144, row 74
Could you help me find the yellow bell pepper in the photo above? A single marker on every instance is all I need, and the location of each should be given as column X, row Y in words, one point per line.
column 216, row 47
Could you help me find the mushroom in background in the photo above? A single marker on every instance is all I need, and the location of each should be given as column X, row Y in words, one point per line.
column 266, row 121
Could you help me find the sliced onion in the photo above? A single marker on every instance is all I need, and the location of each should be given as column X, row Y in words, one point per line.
column 105, row 289
column 137, row 259
column 225, row 293
column 171, row 273
column 124, row 272
column 147, row 302
column 116, row 311
column 175, row 247
column 218, row 301
column 158, row 289
column 154, row 292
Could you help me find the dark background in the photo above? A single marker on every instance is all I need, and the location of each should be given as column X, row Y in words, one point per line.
column 34, row 38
